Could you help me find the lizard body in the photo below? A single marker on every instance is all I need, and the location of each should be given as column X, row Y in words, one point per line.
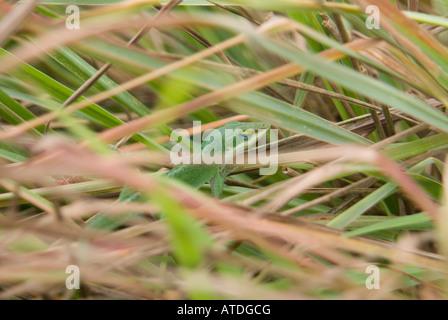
column 192, row 174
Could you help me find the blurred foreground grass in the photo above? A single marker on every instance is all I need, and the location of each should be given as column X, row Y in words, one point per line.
column 363, row 139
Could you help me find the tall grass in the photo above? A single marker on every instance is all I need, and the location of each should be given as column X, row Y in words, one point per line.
column 363, row 139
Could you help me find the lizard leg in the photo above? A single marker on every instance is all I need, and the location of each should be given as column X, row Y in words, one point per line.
column 217, row 183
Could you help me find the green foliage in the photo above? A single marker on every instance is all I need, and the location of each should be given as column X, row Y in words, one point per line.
column 363, row 137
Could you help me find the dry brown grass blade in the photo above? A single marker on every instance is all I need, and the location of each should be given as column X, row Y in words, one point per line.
column 170, row 114
column 309, row 236
column 132, row 83
column 396, row 60
column 362, row 182
column 239, row 221
column 337, row 193
column 204, row 127
column 12, row 21
column 382, row 54
column 303, row 182
column 391, row 16
column 69, row 158
column 94, row 78
column 84, row 208
column 225, row 93
column 47, row 268
column 15, row 189
column 364, row 155
column 61, row 36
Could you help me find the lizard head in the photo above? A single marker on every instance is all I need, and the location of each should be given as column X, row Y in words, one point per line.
column 244, row 135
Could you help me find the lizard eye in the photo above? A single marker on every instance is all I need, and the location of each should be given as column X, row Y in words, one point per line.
column 246, row 134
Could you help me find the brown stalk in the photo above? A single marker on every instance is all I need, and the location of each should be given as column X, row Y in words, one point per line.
column 12, row 21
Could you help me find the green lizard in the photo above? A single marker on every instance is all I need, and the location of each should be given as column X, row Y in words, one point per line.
column 194, row 175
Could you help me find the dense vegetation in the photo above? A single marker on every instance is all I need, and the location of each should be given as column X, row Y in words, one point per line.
column 362, row 143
